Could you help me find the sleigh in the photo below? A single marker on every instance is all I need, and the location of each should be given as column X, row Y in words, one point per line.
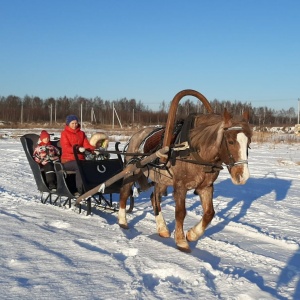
column 101, row 179
column 92, row 172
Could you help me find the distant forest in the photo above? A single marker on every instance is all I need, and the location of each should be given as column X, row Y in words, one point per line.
column 128, row 112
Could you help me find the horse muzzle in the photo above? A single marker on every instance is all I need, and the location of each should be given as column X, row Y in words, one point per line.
column 239, row 172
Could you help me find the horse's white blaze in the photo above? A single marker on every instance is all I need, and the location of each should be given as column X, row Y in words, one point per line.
column 243, row 141
column 122, row 216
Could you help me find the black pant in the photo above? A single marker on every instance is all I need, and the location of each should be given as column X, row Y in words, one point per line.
column 50, row 175
column 72, row 166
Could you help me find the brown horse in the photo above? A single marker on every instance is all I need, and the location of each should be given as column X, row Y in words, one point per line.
column 214, row 141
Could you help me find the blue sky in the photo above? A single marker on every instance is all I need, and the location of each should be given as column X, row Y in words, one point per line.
column 239, row 50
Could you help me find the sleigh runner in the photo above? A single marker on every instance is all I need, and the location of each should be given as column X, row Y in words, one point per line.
column 186, row 155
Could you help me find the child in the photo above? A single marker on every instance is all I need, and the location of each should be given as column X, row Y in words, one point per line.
column 46, row 154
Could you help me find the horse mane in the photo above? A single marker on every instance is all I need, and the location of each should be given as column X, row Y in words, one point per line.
column 207, row 134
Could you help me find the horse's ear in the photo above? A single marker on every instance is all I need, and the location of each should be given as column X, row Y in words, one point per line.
column 227, row 119
column 246, row 115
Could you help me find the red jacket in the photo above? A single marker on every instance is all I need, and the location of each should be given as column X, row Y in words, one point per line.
column 68, row 139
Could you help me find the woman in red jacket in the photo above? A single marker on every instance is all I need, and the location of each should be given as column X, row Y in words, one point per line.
column 70, row 136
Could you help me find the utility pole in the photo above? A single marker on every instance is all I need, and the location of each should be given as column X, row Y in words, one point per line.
column 132, row 116
column 22, row 113
column 118, row 117
column 81, row 122
column 93, row 116
column 113, row 116
column 50, row 106
column 55, row 112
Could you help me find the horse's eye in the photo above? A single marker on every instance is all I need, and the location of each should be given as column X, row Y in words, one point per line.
column 231, row 142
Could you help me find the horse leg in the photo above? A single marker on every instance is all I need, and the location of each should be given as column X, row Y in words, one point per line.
column 161, row 225
column 180, row 213
column 125, row 192
column 206, row 197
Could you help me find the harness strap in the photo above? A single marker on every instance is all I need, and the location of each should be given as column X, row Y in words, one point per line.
column 240, row 162
column 182, row 149
column 208, row 167
column 125, row 153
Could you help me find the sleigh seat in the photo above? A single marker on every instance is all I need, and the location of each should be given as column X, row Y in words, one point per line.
column 29, row 142
column 65, row 180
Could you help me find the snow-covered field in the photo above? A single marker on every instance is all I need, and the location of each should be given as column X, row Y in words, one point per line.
column 250, row 251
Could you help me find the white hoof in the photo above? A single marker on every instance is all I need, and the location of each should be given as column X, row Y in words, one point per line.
column 183, row 246
column 164, row 234
column 191, row 235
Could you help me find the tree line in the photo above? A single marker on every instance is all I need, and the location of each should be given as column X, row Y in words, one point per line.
column 129, row 112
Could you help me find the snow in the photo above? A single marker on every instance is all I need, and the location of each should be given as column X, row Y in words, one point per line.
column 250, row 250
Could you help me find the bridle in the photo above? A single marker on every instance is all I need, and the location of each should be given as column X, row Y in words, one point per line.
column 232, row 161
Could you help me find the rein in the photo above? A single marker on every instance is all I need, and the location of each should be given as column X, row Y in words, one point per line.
column 184, row 150
column 124, row 153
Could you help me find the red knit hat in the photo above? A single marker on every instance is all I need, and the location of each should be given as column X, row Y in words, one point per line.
column 44, row 134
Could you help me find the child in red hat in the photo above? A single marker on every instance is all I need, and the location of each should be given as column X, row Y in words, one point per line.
column 46, row 154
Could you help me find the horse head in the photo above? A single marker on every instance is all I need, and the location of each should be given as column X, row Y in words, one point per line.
column 223, row 139
column 234, row 147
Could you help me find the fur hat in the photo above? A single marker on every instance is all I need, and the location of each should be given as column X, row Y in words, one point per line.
column 71, row 118
column 96, row 137
column 44, row 134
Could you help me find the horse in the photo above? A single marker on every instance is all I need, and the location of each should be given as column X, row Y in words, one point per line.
column 214, row 141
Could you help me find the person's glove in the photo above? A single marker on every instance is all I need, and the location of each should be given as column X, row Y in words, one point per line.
column 81, row 149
